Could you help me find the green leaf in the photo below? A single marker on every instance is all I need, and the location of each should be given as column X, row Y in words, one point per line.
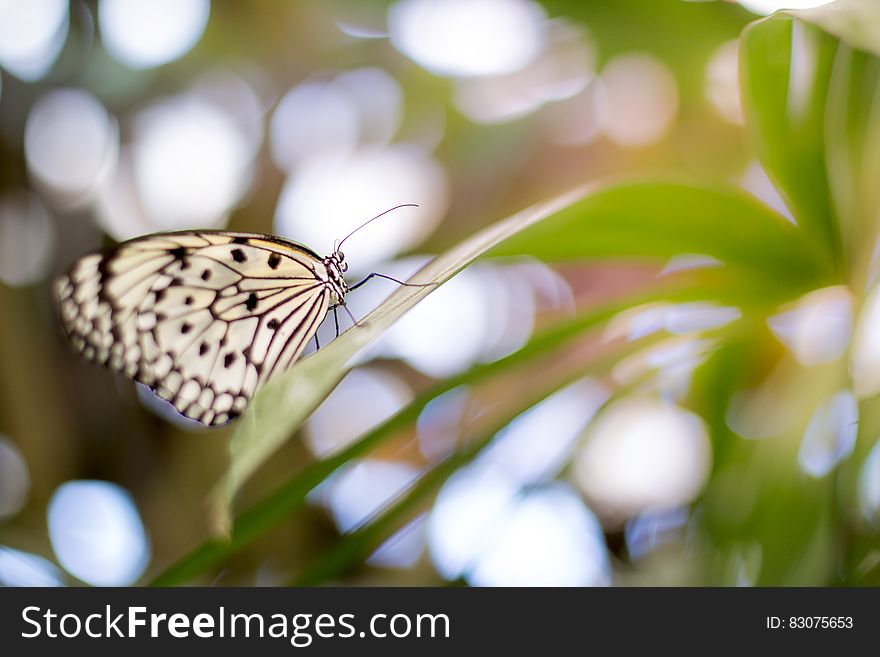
column 785, row 68
column 287, row 400
column 813, row 105
column 659, row 220
column 852, row 134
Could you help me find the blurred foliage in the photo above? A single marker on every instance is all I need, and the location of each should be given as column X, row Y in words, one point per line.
column 760, row 518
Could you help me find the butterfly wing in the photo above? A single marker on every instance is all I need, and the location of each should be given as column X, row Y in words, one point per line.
column 202, row 318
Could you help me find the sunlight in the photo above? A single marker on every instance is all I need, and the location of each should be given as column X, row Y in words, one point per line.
column 769, row 6
column 642, row 454
column 97, row 533
column 191, row 163
column 328, row 197
column 816, row 327
column 638, row 100
column 31, row 36
column 722, row 83
column 15, row 480
column 362, row 400
column 831, row 435
column 468, row 37
column 869, row 485
column 71, row 144
column 27, row 239
column 549, row 539
column 19, row 568
column 147, row 34
column 538, row 444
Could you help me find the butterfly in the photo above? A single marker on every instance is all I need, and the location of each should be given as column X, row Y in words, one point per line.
column 202, row 317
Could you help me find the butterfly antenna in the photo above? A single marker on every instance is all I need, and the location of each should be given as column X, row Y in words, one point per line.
column 382, row 214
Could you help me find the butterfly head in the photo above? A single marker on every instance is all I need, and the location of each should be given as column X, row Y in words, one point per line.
column 335, row 262
column 336, row 268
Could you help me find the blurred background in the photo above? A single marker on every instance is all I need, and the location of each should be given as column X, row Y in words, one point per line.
column 303, row 119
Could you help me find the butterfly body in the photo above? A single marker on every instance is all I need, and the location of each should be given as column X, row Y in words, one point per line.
column 202, row 317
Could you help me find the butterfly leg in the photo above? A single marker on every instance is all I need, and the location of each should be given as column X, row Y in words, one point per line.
column 336, row 320
column 389, row 278
column 317, row 342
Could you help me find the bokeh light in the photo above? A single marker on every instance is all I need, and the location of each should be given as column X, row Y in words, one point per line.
column 462, row 521
column 313, row 118
column 769, row 6
column 363, row 490
column 499, row 302
column 15, row 480
column 118, row 208
column 756, row 181
column 468, row 37
column 71, row 144
column 498, row 522
column 147, row 34
column 549, row 539
column 243, row 97
column 574, row 121
column 865, row 352
column 32, row 34
column 561, row 71
column 440, row 423
column 831, row 435
column 403, row 549
column 18, row 568
column 666, row 367
column 689, row 261
column 722, row 83
column 421, row 337
column 817, row 327
column 537, row 444
column 97, row 534
column 379, row 99
column 681, row 318
column 484, row 530
column 766, row 411
column 190, row 160
column 699, row 316
column 360, row 107
column 651, row 530
column 191, row 163
column 869, row 485
column 328, row 197
column 638, row 99
column 27, row 238
column 642, row 454
column 363, row 399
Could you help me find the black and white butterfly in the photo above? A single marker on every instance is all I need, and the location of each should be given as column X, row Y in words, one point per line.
column 202, row 317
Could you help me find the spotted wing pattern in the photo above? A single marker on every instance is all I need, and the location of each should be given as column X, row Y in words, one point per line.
column 203, row 318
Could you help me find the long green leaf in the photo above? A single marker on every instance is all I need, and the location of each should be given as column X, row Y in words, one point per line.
column 784, row 76
column 852, row 135
column 659, row 220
